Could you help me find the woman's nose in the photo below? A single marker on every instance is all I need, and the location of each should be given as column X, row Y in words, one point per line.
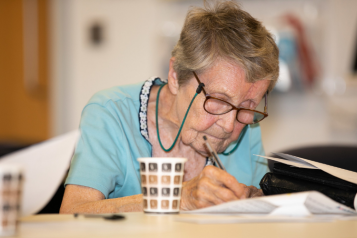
column 226, row 121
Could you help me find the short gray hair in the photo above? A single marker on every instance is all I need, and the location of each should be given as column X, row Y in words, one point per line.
column 224, row 30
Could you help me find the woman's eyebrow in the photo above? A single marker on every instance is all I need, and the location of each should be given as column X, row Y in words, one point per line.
column 213, row 91
column 221, row 95
column 226, row 97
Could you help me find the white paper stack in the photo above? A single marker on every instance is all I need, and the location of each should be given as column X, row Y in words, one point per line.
column 295, row 204
column 295, row 207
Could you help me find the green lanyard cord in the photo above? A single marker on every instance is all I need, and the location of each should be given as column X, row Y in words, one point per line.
column 239, row 139
column 184, row 119
column 230, row 152
column 199, row 89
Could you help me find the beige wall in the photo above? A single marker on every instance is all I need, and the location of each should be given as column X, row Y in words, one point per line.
column 139, row 35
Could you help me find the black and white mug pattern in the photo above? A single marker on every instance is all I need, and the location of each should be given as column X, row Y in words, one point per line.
column 153, row 167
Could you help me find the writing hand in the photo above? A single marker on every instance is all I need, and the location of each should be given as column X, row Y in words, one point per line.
column 213, row 186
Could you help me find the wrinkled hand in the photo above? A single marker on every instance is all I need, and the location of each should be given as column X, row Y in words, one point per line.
column 254, row 192
column 214, row 186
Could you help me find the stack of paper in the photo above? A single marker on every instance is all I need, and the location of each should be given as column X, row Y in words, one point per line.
column 296, row 204
column 292, row 207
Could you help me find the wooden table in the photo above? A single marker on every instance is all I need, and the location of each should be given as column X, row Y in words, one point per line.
column 142, row 225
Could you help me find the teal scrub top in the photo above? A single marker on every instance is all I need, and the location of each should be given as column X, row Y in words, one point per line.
column 114, row 135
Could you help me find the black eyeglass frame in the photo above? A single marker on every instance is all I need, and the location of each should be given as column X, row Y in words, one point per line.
column 265, row 113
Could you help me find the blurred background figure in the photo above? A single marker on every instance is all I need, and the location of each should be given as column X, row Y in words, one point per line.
column 55, row 54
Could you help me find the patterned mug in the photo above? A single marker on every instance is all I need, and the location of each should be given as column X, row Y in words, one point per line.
column 161, row 184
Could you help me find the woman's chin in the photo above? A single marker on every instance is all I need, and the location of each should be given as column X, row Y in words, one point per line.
column 220, row 145
column 215, row 139
column 200, row 148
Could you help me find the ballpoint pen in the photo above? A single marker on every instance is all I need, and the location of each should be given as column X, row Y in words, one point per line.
column 105, row 216
column 214, row 154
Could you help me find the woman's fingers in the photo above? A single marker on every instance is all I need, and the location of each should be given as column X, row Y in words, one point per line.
column 215, row 193
column 254, row 192
column 208, row 194
column 225, row 195
column 222, row 178
column 213, row 186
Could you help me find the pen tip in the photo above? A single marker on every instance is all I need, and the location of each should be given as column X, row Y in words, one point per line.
column 204, row 137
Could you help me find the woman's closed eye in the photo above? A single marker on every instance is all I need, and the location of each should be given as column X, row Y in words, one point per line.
column 216, row 106
column 249, row 104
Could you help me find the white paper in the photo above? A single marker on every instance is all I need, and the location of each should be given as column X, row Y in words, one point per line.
column 44, row 166
column 317, row 203
column 224, row 219
column 294, row 159
column 298, row 210
column 344, row 174
column 289, row 162
column 235, row 207
column 295, row 204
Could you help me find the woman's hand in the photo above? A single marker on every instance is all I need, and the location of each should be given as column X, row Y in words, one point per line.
column 254, row 192
column 214, row 186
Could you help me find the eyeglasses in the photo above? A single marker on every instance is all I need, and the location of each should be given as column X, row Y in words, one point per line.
column 217, row 106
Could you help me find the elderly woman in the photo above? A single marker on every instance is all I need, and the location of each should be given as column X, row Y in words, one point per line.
column 222, row 67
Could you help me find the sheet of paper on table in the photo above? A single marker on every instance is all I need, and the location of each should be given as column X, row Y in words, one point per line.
column 295, row 204
column 297, row 207
column 251, row 218
column 45, row 165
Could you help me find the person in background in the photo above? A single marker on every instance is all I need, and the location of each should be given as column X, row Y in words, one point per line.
column 225, row 63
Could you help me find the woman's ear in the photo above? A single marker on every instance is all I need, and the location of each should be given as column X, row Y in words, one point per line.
column 172, row 78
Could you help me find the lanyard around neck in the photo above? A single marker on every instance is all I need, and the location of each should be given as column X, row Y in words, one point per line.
column 199, row 89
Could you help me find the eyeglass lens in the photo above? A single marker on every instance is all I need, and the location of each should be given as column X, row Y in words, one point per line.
column 218, row 107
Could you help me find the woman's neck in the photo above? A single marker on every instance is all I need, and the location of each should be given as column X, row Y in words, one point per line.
column 167, row 109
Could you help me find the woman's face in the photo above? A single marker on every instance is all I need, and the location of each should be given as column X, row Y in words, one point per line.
column 225, row 80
